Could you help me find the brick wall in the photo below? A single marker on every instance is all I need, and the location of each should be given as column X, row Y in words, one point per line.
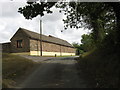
column 49, row 47
column 29, row 44
column 0, row 48
column 25, row 42
column 6, row 47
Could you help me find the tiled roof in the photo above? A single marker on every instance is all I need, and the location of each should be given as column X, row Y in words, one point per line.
column 49, row 38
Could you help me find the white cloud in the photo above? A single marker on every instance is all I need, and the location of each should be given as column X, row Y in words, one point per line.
column 52, row 24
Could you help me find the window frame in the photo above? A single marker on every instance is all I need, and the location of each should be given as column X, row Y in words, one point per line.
column 20, row 43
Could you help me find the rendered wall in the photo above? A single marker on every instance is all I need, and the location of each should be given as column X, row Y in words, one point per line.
column 51, row 53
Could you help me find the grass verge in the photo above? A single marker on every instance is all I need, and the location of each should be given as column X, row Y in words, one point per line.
column 13, row 68
column 102, row 66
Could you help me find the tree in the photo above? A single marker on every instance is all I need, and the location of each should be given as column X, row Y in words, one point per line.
column 87, row 42
column 94, row 16
column 79, row 48
column 86, row 45
column 101, row 18
column 33, row 9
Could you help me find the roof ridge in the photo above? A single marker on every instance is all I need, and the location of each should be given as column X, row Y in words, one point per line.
column 31, row 31
column 42, row 34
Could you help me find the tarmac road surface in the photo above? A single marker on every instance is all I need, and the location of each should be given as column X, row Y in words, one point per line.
column 59, row 72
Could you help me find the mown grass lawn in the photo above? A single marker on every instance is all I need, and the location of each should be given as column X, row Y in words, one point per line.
column 13, row 68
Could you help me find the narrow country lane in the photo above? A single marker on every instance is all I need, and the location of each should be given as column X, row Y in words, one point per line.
column 60, row 72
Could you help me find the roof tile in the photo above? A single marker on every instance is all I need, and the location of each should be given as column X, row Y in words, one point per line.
column 49, row 38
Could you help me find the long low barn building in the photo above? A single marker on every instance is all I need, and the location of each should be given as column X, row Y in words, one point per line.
column 25, row 41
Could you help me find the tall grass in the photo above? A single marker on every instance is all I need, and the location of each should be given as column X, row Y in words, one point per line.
column 102, row 66
column 13, row 67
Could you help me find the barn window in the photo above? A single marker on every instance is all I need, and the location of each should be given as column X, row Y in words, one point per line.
column 19, row 43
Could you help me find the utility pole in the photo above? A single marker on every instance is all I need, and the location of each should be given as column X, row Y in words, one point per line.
column 40, row 37
column 40, row 34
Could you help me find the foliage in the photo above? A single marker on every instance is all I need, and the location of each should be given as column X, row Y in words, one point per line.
column 33, row 9
column 95, row 16
column 103, row 19
column 100, row 17
column 87, row 42
column 79, row 48
column 101, row 67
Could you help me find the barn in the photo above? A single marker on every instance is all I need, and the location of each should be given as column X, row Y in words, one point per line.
column 26, row 41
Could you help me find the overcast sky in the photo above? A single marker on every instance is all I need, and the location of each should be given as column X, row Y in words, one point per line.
column 11, row 20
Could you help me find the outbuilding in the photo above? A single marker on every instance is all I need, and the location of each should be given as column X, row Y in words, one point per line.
column 25, row 41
